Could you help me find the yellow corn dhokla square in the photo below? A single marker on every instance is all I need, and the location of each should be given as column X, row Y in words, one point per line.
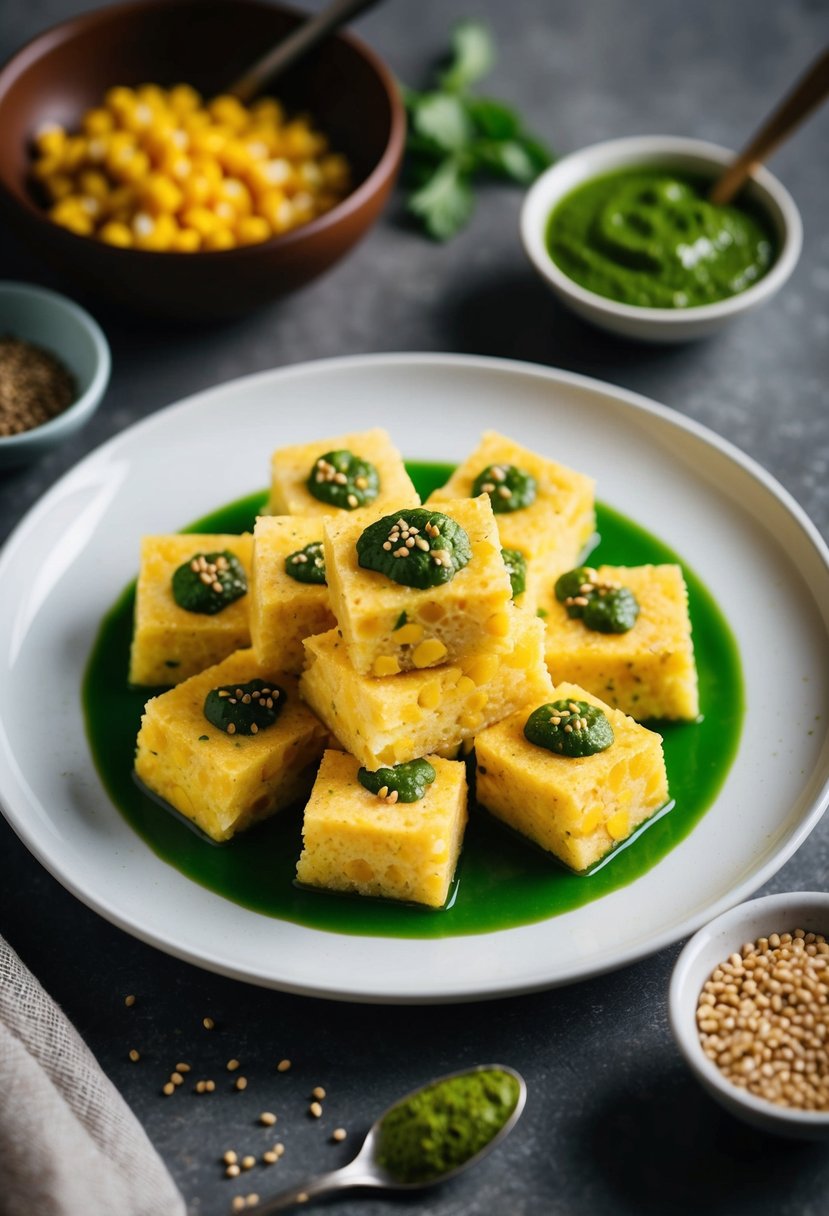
column 388, row 627
column 222, row 782
column 170, row 644
column 354, row 841
column 284, row 610
column 555, row 527
column 578, row 808
column 648, row 672
column 292, row 466
column 401, row 717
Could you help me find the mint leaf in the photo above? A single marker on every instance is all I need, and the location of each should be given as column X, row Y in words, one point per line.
column 473, row 55
column 442, row 121
column 492, row 118
column 444, row 203
column 510, row 160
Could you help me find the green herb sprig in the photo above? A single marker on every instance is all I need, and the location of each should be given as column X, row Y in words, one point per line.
column 455, row 136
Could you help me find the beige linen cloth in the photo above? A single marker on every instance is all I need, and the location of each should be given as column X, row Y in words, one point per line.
column 69, row 1145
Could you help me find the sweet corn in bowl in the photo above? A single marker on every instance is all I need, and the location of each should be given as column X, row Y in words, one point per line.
column 164, row 170
column 87, row 77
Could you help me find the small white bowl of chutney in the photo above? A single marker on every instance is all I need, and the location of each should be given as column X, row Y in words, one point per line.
column 622, row 233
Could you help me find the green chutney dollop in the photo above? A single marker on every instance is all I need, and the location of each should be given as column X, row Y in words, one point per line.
column 208, row 582
column 649, row 237
column 443, row 1126
column 509, row 488
column 416, row 548
column 405, row 782
column 344, row 480
column 516, row 565
column 307, row 565
column 569, row 728
column 244, row 709
column 604, row 607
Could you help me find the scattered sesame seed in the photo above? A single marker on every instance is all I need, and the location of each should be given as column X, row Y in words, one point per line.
column 134, row 1056
column 129, row 1001
column 232, row 1065
column 241, row 1082
column 318, row 1092
column 182, row 1067
column 248, row 1162
column 200, row 1087
column 232, row 1170
column 302, row 1197
column 254, row 729
column 315, row 1110
column 209, row 1086
column 208, row 1023
column 267, row 1118
column 168, row 1089
column 269, row 1157
column 283, row 1066
column 339, row 1134
column 230, row 1157
column 176, row 1078
column 238, row 1203
column 353, row 500
column 252, row 1200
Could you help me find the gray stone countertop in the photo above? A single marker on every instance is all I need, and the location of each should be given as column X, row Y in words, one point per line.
column 614, row 1124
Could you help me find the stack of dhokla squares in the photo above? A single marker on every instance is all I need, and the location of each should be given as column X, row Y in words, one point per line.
column 359, row 642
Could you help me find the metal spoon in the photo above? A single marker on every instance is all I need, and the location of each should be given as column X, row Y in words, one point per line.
column 290, row 49
column 366, row 1171
column 808, row 93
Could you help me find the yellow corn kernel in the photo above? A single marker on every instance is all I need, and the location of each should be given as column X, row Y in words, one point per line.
column 428, row 653
column 237, row 194
column 69, row 215
column 277, row 210
column 408, row 635
column 98, row 122
column 159, row 194
column 196, row 190
column 136, row 118
column 47, row 167
column 114, row 233
column 183, row 99
column 209, row 142
column 59, row 186
column 498, row 625
column 74, row 153
column 618, row 825
column 133, row 169
column 478, row 700
column 203, row 220
column 303, row 205
column 409, row 714
column 465, row 685
column 160, row 140
column 186, row 240
column 226, row 212
column 385, row 665
column 252, row 230
column 222, row 238
column 309, row 174
column 50, row 140
column 334, row 170
column 268, row 111
column 300, row 142
column 429, row 696
column 119, row 99
column 234, row 157
column 95, row 184
column 277, row 173
column 591, row 819
column 229, row 111
column 402, row 747
column 469, row 721
column 482, row 668
column 153, row 232
column 152, row 95
column 198, row 120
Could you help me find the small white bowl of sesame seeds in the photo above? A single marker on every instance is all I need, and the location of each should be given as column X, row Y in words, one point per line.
column 749, row 1008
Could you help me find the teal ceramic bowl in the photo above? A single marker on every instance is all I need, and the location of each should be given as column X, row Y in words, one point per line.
column 47, row 319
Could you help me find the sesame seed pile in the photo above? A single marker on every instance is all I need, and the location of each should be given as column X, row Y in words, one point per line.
column 34, row 386
column 209, row 572
column 763, row 1019
column 402, row 537
column 496, row 486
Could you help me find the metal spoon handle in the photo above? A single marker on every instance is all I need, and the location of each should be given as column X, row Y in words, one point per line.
column 354, row 1174
column 296, row 44
column 808, row 93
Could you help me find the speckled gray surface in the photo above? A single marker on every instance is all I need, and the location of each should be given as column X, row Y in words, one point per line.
column 614, row 1123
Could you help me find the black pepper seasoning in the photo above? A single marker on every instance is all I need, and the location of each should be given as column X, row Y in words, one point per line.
column 34, row 386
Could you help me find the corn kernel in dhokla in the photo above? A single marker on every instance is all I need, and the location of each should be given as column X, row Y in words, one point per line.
column 578, row 808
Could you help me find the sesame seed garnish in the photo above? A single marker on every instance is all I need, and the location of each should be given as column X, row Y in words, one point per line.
column 267, row 1118
column 176, row 1078
column 230, row 1157
column 208, row 1023
column 129, row 1001
column 339, row 1134
column 254, row 729
column 168, row 1089
column 231, row 728
column 209, row 1086
column 269, row 1157
column 361, row 483
column 232, row 1065
column 200, row 1087
column 252, row 1199
column 241, row 1083
column 283, row 1066
column 315, row 1110
column 318, row 1092
column 232, row 1170
column 353, row 500
column 134, row 1056
column 504, row 492
column 248, row 1162
column 182, row 1067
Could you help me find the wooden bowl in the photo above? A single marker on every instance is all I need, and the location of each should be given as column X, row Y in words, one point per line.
column 346, row 89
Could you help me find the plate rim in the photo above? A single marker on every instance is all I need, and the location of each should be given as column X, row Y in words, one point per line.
column 495, row 988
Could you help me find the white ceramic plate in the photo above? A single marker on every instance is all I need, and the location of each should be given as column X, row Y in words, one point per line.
column 745, row 537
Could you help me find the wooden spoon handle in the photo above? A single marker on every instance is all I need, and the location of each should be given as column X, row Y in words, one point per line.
column 808, row 93
column 295, row 45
